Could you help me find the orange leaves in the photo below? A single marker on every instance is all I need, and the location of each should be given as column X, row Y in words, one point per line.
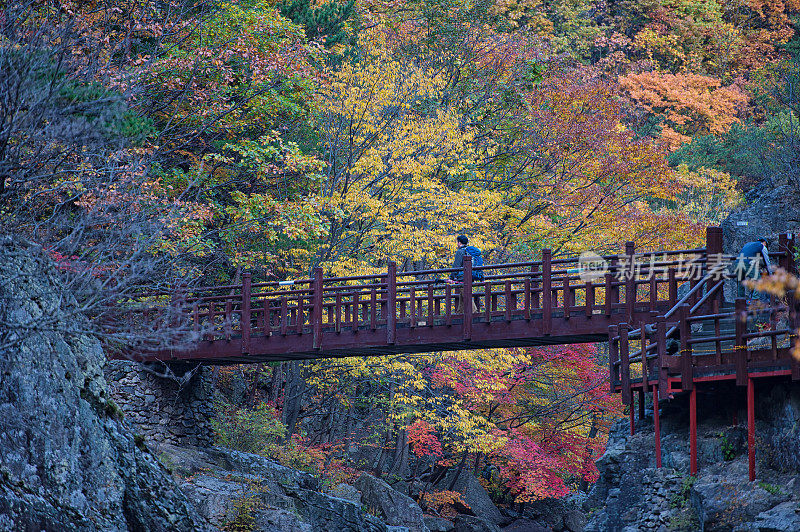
column 691, row 103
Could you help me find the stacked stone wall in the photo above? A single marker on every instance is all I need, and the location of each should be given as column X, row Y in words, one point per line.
column 163, row 410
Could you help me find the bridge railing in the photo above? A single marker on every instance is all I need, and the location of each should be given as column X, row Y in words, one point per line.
column 697, row 332
column 545, row 290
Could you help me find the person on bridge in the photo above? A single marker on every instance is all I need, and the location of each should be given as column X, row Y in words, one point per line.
column 462, row 248
column 752, row 261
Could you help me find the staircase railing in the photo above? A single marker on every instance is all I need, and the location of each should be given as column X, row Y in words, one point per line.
column 668, row 345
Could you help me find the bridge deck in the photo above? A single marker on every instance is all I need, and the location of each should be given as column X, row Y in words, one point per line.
column 552, row 301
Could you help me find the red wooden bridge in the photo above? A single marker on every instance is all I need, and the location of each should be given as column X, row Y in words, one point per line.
column 663, row 313
column 552, row 301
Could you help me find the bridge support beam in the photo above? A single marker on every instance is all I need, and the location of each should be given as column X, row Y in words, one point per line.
column 751, row 430
column 693, row 432
column 633, row 425
column 657, row 425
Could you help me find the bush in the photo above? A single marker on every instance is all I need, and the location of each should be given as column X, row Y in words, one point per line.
column 256, row 430
column 260, row 431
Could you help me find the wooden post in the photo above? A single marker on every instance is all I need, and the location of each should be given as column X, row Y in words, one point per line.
column 693, row 432
column 613, row 356
column 535, row 285
column 391, row 303
column 657, row 425
column 741, row 345
column 547, row 293
column 373, row 305
column 466, row 293
column 589, row 299
column 630, row 282
column 509, row 301
column 317, row 289
column 527, row 299
column 783, row 246
column 430, row 306
column 687, row 374
column 448, row 305
column 247, row 279
column 567, row 297
column 488, row 301
column 751, row 430
column 672, row 281
column 663, row 364
column 285, row 316
column 356, row 304
column 412, row 306
column 713, row 240
column 794, row 323
column 625, row 368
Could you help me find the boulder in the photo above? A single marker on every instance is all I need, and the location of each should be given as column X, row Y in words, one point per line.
column 438, row 524
column 526, row 525
column 471, row 523
column 389, row 504
column 722, row 501
column 474, row 495
column 784, row 517
column 558, row 514
column 346, row 492
column 243, row 488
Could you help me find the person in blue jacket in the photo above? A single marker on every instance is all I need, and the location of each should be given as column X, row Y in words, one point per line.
column 463, row 248
column 752, row 261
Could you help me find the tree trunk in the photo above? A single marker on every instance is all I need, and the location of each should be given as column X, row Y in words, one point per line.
column 400, row 462
column 293, row 399
column 584, row 485
column 276, row 384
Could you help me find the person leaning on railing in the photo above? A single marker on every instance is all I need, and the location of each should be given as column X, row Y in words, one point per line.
column 753, row 259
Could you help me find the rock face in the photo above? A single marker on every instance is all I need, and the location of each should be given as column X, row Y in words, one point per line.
column 392, row 506
column 632, row 494
column 767, row 212
column 249, row 491
column 474, row 494
column 66, row 461
column 160, row 409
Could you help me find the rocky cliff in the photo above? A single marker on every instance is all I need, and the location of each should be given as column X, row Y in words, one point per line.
column 66, row 461
column 633, row 495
